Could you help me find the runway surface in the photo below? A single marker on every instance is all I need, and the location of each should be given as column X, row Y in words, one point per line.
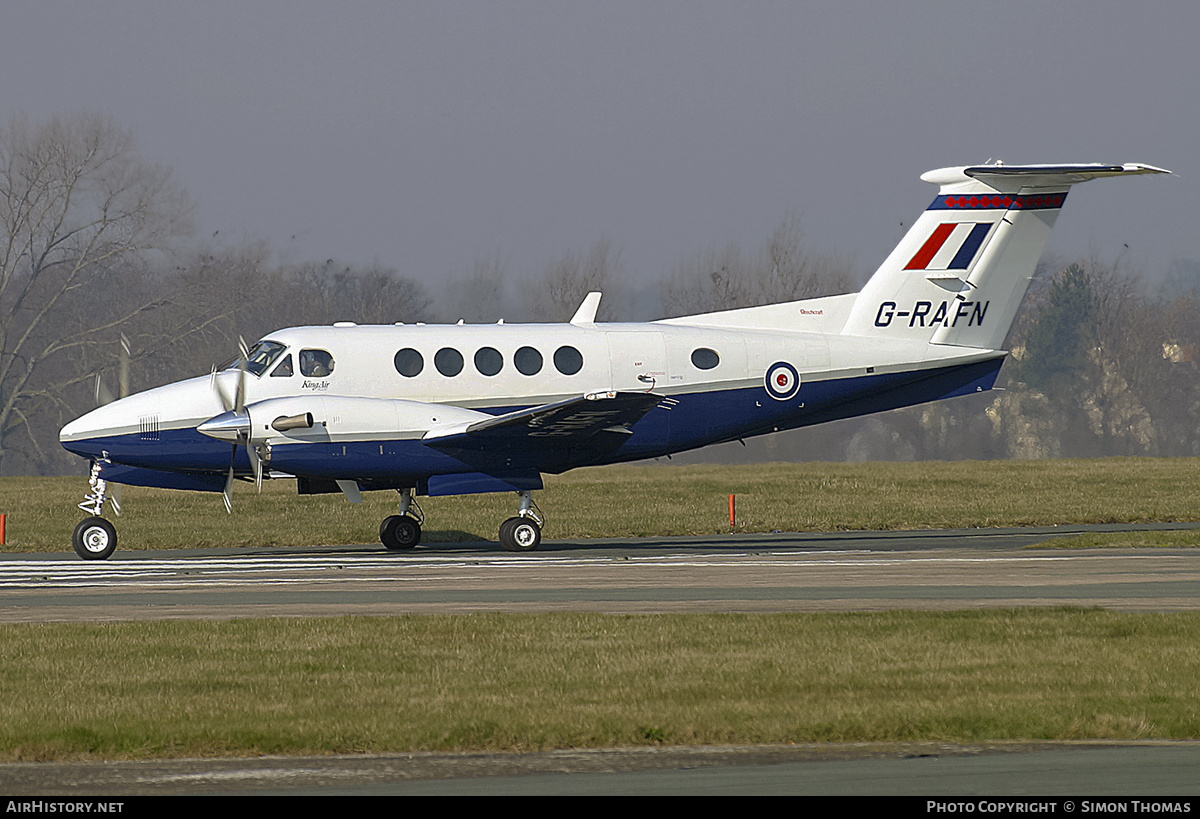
column 1084, row 770
column 859, row 571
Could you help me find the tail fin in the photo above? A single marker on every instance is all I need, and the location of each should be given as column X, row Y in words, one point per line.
column 958, row 276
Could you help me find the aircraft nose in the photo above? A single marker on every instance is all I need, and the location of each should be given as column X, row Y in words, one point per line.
column 75, row 429
column 174, row 406
column 106, row 420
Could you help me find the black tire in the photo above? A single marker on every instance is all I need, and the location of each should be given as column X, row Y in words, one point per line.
column 505, row 537
column 94, row 539
column 399, row 532
column 520, row 534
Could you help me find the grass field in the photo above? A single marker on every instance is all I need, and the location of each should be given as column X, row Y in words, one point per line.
column 1125, row 540
column 645, row 501
column 514, row 682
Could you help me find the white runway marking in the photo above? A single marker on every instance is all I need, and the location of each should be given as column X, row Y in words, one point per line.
column 285, row 569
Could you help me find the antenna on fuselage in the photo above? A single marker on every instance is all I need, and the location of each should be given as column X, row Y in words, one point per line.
column 586, row 314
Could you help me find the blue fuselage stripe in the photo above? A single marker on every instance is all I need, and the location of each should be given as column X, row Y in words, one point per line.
column 692, row 420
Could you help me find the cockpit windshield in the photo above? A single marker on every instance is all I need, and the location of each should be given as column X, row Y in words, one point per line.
column 262, row 355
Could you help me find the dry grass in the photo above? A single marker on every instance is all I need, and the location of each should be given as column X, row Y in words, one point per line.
column 1126, row 540
column 511, row 682
column 654, row 500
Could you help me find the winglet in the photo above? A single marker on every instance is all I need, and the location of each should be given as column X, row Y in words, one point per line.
column 586, row 314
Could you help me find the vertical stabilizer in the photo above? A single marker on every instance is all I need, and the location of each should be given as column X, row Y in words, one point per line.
column 959, row 274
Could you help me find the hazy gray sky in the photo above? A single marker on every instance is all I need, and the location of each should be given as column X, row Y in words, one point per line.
column 423, row 135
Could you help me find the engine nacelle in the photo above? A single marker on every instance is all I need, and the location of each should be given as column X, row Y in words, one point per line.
column 313, row 419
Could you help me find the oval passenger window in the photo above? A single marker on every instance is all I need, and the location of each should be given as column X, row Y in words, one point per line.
column 449, row 361
column 705, row 359
column 488, row 360
column 409, row 362
column 568, row 360
column 528, row 361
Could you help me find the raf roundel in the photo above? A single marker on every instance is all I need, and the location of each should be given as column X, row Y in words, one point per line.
column 782, row 381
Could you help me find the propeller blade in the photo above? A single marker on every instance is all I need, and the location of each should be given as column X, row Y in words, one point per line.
column 102, row 393
column 103, row 396
column 255, row 464
column 123, row 368
column 233, row 424
column 240, row 400
column 236, row 401
column 227, row 493
column 220, row 388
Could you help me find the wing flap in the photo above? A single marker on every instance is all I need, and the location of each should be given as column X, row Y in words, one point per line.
column 561, row 425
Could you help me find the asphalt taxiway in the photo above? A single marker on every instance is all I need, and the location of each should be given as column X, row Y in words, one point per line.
column 848, row 571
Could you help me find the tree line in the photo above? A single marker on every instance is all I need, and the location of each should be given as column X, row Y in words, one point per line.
column 98, row 249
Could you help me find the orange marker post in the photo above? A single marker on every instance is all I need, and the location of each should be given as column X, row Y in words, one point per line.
column 3, row 520
column 732, row 513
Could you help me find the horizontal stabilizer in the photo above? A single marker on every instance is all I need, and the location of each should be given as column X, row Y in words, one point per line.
column 1011, row 178
column 1043, row 175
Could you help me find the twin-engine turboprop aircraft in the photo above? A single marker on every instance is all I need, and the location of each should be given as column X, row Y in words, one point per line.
column 460, row 409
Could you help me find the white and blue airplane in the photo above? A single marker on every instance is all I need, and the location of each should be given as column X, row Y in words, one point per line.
column 460, row 409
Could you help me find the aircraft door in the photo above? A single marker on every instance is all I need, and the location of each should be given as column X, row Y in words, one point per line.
column 639, row 361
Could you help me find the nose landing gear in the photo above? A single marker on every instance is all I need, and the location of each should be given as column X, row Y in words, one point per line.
column 95, row 538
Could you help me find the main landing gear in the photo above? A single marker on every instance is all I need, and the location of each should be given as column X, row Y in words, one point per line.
column 95, row 538
column 522, row 533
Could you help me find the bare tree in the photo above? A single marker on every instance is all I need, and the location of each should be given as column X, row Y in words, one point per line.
column 478, row 295
column 565, row 281
column 322, row 293
column 76, row 203
column 783, row 270
column 794, row 271
column 217, row 294
column 710, row 280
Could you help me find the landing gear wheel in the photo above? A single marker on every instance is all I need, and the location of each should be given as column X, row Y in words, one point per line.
column 399, row 532
column 520, row 534
column 95, row 539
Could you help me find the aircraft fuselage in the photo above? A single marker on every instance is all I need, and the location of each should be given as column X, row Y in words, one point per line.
column 373, row 419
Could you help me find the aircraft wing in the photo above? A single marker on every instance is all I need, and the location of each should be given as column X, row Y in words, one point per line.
column 549, row 435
